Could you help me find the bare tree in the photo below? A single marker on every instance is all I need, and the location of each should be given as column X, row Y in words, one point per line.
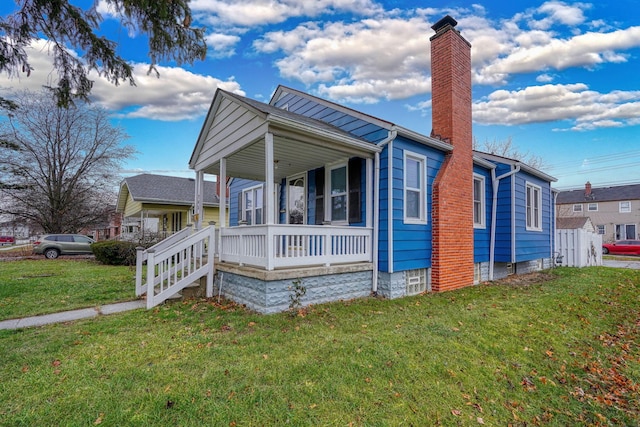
column 65, row 26
column 506, row 148
column 59, row 165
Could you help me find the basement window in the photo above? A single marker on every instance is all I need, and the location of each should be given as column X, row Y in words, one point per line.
column 510, row 269
column 416, row 281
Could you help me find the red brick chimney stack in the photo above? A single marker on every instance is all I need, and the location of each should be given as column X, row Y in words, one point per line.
column 587, row 189
column 452, row 259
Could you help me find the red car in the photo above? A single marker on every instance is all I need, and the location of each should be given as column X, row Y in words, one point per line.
column 7, row 240
column 622, row 247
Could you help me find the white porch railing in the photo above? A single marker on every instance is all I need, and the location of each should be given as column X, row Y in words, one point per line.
column 274, row 246
column 175, row 263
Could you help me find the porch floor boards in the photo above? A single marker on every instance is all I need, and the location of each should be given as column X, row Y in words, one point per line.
column 292, row 272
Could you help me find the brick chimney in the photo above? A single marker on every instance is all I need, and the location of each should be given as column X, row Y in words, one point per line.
column 587, row 190
column 452, row 259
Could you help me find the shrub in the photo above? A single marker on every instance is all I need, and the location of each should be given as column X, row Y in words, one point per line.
column 115, row 252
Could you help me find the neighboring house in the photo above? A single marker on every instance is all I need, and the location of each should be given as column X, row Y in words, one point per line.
column 110, row 229
column 163, row 204
column 614, row 211
column 349, row 205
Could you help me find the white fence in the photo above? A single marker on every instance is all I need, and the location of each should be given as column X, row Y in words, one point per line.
column 273, row 246
column 578, row 248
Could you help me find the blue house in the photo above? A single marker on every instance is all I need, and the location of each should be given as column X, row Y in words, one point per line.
column 351, row 205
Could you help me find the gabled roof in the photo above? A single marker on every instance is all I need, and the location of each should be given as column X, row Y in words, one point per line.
column 573, row 223
column 601, row 194
column 162, row 189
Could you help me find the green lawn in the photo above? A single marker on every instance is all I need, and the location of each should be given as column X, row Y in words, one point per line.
column 564, row 352
column 43, row 286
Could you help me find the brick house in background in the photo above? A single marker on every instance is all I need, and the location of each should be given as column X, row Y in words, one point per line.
column 614, row 211
column 352, row 205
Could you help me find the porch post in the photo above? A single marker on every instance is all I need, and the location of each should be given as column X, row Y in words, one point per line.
column 269, row 177
column 199, row 200
column 222, row 197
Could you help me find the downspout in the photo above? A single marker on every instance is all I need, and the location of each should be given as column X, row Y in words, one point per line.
column 553, row 198
column 376, row 208
column 495, row 182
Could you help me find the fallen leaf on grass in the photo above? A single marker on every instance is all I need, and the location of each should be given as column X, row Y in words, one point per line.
column 480, row 420
column 98, row 420
column 456, row 412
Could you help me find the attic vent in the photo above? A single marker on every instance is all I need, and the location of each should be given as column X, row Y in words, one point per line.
column 416, row 281
column 285, row 107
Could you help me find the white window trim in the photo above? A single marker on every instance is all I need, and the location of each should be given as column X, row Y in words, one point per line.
column 625, row 210
column 328, row 197
column 595, row 205
column 483, row 202
column 577, row 208
column 536, row 189
column 253, row 209
column 423, row 190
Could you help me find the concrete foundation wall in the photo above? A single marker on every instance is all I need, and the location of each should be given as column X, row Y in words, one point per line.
column 272, row 296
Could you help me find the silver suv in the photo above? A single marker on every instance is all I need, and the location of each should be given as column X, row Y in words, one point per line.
column 54, row 245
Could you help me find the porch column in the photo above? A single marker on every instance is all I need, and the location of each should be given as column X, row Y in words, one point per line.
column 269, row 186
column 222, row 197
column 199, row 200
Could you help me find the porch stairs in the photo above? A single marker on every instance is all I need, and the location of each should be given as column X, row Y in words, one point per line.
column 176, row 264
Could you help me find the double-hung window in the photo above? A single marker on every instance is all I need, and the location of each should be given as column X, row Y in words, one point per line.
column 534, row 207
column 624, row 207
column 577, row 208
column 478, row 201
column 252, row 205
column 415, row 187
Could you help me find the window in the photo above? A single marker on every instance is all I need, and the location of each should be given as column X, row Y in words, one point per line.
column 577, row 208
column 592, row 207
column 602, row 229
column 478, row 202
column 625, row 231
column 414, row 187
column 534, row 207
column 625, row 207
column 338, row 193
column 416, row 281
column 252, row 205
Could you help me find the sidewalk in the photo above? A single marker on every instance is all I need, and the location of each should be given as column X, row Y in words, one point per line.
column 66, row 316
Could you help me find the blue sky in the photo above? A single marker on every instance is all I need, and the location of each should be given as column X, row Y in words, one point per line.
column 560, row 79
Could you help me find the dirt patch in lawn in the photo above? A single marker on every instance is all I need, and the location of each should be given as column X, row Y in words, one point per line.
column 526, row 279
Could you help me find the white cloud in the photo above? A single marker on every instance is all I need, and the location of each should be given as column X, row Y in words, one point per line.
column 176, row 95
column 221, row 45
column 263, row 12
column 585, row 109
column 557, row 12
column 545, row 78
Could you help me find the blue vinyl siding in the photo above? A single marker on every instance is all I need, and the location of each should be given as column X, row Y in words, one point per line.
column 236, row 188
column 503, row 216
column 531, row 245
column 412, row 245
column 482, row 236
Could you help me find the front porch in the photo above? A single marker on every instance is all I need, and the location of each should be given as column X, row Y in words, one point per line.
column 287, row 246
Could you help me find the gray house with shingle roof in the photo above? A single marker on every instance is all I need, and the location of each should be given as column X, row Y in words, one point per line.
column 614, row 211
column 164, row 203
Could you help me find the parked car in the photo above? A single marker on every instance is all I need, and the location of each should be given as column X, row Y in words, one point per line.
column 54, row 245
column 7, row 240
column 622, row 247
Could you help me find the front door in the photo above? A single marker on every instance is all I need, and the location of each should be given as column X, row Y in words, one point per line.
column 296, row 199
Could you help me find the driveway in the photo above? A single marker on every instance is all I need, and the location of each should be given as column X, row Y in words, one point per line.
column 623, row 262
